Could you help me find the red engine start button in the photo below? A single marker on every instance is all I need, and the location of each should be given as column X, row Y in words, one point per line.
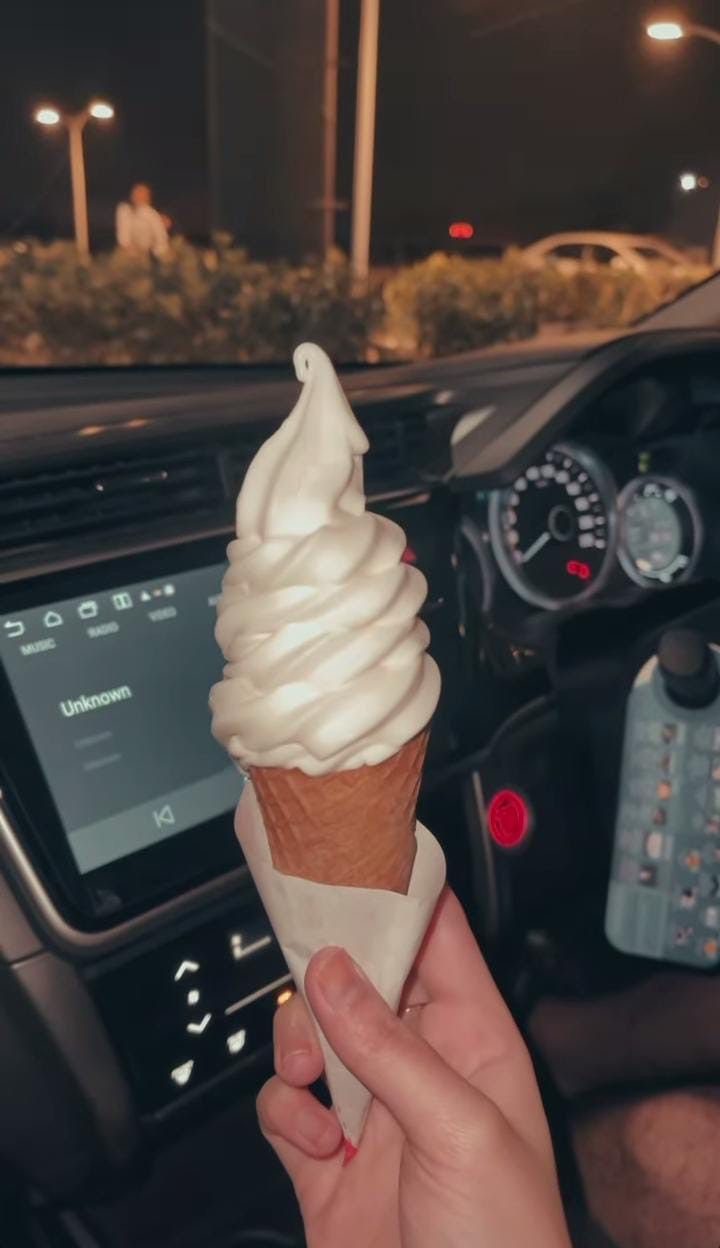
column 509, row 819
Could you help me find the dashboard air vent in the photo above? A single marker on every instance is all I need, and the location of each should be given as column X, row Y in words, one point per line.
column 397, row 442
column 58, row 504
column 238, row 456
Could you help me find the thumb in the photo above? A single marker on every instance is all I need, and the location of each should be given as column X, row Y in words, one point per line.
column 436, row 1108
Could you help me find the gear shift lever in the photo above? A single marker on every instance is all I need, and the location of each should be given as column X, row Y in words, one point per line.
column 688, row 668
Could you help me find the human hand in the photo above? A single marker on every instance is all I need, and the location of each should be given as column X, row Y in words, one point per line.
column 456, row 1152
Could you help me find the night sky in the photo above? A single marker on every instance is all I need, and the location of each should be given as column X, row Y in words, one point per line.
column 522, row 117
column 147, row 56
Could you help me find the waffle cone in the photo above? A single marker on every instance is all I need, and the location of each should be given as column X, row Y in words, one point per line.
column 353, row 828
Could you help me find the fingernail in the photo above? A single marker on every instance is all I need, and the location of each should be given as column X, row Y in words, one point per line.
column 314, row 1128
column 340, row 982
column 291, row 1063
column 296, row 1045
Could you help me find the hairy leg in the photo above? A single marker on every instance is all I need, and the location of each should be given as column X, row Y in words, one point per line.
column 650, row 1171
column 666, row 1027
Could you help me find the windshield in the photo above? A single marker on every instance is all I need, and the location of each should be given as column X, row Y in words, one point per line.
column 215, row 183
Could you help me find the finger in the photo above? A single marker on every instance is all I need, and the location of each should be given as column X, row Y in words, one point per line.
column 297, row 1126
column 436, row 1108
column 450, row 966
column 451, row 969
column 413, row 994
column 412, row 1016
column 298, row 1058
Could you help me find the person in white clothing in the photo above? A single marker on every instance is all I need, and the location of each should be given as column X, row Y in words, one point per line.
column 139, row 227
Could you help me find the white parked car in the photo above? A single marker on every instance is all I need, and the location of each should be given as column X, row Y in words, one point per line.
column 637, row 252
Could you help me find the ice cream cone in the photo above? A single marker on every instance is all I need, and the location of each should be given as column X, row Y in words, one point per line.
column 353, row 828
column 382, row 930
column 327, row 692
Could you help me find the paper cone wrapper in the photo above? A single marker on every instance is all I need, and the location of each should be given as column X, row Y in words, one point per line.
column 380, row 929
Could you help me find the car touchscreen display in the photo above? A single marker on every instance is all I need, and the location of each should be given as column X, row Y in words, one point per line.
column 113, row 688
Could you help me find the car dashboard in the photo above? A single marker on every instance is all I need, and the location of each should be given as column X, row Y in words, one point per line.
column 627, row 501
column 140, row 975
column 562, row 505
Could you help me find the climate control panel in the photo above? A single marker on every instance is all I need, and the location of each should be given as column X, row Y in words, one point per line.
column 196, row 1008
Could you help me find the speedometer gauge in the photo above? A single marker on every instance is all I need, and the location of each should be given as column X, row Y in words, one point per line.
column 659, row 531
column 552, row 530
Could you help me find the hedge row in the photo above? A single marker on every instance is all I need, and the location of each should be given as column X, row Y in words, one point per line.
column 213, row 305
column 218, row 305
column 446, row 304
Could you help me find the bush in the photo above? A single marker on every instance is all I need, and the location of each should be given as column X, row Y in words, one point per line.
column 604, row 298
column 216, row 305
column 446, row 304
column 196, row 306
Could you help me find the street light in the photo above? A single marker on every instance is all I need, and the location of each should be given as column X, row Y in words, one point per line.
column 665, row 32
column 693, row 182
column 47, row 116
column 75, row 123
column 101, row 111
column 670, row 32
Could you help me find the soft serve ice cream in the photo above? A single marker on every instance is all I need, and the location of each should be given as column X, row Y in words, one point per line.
column 325, row 700
column 326, row 664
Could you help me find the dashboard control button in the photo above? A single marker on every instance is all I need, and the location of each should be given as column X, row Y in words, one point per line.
column 190, row 1010
column 164, row 817
column 240, row 949
column 196, row 1028
column 264, row 991
column 186, row 967
column 182, row 1074
column 509, row 819
column 235, row 1042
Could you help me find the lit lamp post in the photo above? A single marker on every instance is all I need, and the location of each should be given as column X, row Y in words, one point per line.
column 693, row 182
column 75, row 124
column 669, row 32
column 365, row 107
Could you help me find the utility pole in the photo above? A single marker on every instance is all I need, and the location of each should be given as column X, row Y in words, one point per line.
column 330, row 97
column 74, row 124
column 75, row 127
column 365, row 137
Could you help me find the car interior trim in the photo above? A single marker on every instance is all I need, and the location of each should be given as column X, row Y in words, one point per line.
column 495, row 452
column 90, row 944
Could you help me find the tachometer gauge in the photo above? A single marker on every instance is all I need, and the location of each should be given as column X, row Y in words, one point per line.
column 659, row 531
column 552, row 530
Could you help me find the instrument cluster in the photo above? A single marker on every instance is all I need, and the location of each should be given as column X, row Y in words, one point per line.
column 566, row 528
